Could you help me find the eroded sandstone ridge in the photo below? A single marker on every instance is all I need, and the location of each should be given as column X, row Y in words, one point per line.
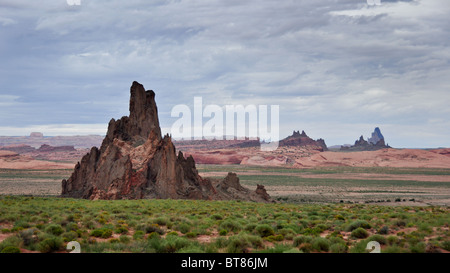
column 135, row 161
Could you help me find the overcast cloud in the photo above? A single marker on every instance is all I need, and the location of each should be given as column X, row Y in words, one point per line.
column 337, row 68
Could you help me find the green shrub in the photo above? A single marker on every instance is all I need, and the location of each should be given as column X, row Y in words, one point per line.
column 162, row 221
column 153, row 228
column 97, row 232
column 264, row 230
column 172, row 244
column 89, row 225
column 321, row 244
column 223, row 232
column 301, row 240
column 184, row 227
column 392, row 240
column 10, row 249
column 121, row 230
column 393, row 249
column 306, row 247
column 446, row 245
column 380, row 239
column 69, row 236
column 292, row 250
column 359, row 247
column 359, row 233
column 71, row 227
column 338, row 248
column 418, row 248
column 191, row 235
column 384, row 230
column 15, row 241
column 51, row 244
column 238, row 244
column 358, row 224
column 275, row 238
column 217, row 217
column 54, row 229
column 250, row 227
column 28, row 237
column 156, row 235
column 138, row 235
column 191, row 249
column 124, row 239
column 400, row 223
column 21, row 224
column 107, row 233
column 230, row 225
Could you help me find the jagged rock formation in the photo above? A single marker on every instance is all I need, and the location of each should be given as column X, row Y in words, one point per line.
column 376, row 142
column 302, row 139
column 135, row 161
column 376, row 136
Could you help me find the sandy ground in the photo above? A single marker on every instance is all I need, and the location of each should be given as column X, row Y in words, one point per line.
column 12, row 160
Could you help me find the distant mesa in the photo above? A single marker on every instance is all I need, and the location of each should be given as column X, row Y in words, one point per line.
column 302, row 139
column 36, row 135
column 136, row 162
column 376, row 142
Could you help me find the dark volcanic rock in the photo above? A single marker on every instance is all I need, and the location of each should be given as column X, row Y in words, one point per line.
column 135, row 161
column 376, row 137
column 302, row 139
column 376, row 142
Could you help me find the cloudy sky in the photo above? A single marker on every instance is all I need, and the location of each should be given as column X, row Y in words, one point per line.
column 336, row 68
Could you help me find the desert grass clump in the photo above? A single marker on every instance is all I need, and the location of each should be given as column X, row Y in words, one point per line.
column 339, row 248
column 302, row 240
column 446, row 245
column 69, row 236
column 359, row 233
column 51, row 244
column 10, row 249
column 321, row 244
column 231, row 226
column 54, row 229
column 378, row 238
column 384, row 230
column 264, row 230
column 13, row 241
column 358, row 224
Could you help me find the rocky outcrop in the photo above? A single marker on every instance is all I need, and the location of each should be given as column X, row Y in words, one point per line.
column 20, row 148
column 47, row 148
column 376, row 137
column 232, row 189
column 376, row 142
column 302, row 139
column 135, row 161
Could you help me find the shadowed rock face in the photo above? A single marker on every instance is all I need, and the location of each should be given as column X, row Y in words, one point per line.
column 135, row 161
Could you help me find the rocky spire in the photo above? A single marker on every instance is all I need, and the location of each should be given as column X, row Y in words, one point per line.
column 134, row 162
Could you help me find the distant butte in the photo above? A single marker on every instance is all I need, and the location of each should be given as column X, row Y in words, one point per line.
column 135, row 161
column 302, row 139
